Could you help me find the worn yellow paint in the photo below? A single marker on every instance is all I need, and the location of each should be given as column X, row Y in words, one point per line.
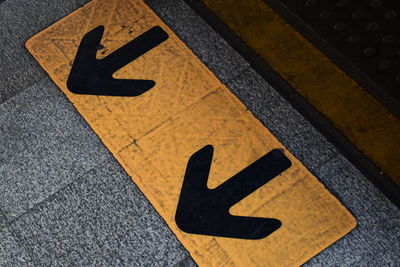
column 362, row 119
column 153, row 136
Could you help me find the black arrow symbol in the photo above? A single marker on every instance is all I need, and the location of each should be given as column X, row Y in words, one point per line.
column 91, row 76
column 206, row 211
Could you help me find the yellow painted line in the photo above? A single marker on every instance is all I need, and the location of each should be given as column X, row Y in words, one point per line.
column 154, row 134
column 357, row 115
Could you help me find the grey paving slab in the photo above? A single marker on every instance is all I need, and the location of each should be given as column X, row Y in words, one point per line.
column 376, row 240
column 44, row 145
column 11, row 253
column 295, row 132
column 101, row 219
column 19, row 20
column 211, row 48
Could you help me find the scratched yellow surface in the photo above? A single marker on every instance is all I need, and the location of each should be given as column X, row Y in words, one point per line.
column 153, row 136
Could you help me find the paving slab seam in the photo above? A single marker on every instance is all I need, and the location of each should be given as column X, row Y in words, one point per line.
column 21, row 91
column 283, row 140
column 18, row 238
column 235, row 76
column 328, row 160
column 67, row 230
column 56, row 192
column 336, row 194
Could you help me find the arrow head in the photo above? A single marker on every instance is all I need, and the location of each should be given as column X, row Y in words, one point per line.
column 92, row 76
column 206, row 211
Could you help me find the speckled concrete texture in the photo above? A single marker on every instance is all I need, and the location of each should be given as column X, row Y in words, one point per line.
column 19, row 20
column 44, row 145
column 11, row 251
column 101, row 219
column 376, row 240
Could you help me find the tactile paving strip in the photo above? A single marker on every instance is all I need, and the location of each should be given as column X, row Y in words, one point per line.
column 365, row 33
column 364, row 126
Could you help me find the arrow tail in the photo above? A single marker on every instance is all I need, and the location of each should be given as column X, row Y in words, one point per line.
column 135, row 48
column 254, row 176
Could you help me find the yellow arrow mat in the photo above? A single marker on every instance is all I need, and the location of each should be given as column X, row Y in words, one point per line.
column 168, row 109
